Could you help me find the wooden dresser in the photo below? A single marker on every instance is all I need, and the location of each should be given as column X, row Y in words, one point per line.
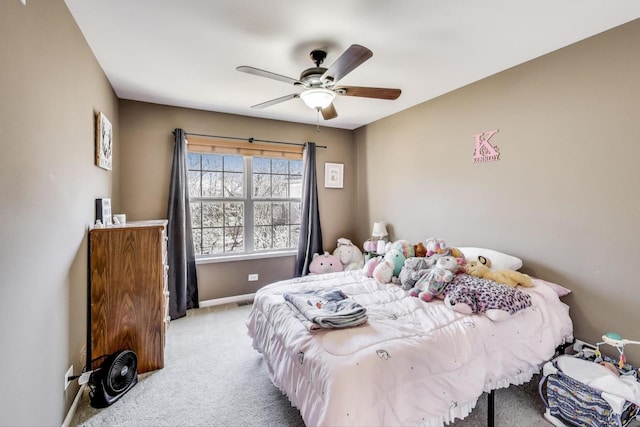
column 128, row 294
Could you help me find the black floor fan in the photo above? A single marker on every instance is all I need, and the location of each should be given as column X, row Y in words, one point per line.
column 115, row 376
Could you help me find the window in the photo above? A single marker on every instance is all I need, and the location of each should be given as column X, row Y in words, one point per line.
column 244, row 204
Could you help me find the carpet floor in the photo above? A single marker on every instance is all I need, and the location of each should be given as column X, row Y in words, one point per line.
column 213, row 377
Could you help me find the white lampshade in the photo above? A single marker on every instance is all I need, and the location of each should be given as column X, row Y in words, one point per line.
column 379, row 230
column 318, row 98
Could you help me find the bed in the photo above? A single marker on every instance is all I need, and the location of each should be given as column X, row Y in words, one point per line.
column 411, row 363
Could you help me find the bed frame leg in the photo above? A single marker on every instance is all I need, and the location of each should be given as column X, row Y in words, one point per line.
column 490, row 408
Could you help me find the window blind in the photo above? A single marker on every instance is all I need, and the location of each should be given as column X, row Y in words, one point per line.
column 212, row 145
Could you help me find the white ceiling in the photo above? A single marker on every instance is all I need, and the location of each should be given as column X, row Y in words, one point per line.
column 185, row 52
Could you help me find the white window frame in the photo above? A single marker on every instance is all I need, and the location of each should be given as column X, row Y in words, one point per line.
column 248, row 201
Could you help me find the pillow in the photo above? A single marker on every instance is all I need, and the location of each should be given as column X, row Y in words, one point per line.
column 560, row 290
column 499, row 261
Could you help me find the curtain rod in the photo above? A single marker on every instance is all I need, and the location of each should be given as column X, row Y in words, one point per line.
column 251, row 139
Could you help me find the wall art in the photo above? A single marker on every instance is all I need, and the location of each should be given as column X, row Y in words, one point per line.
column 484, row 151
column 333, row 175
column 104, row 142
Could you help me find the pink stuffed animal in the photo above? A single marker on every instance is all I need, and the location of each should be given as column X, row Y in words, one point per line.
column 326, row 263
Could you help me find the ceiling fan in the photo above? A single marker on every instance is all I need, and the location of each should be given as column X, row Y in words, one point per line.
column 319, row 84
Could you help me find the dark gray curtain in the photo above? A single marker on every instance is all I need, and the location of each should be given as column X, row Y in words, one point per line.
column 310, row 231
column 183, row 283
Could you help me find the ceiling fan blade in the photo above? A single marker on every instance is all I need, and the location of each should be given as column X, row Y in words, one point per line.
column 347, row 62
column 329, row 112
column 267, row 74
column 369, row 92
column 276, row 101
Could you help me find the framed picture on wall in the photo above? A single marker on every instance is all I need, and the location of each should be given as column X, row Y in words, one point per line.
column 104, row 142
column 333, row 175
column 103, row 211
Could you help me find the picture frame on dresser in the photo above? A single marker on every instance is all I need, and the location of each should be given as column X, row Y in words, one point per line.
column 103, row 211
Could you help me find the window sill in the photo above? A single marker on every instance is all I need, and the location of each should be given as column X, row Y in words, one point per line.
column 245, row 257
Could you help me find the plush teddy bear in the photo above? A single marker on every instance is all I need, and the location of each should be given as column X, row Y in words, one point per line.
column 326, row 263
column 413, row 269
column 349, row 254
column 419, row 250
column 432, row 283
column 470, row 295
column 507, row 277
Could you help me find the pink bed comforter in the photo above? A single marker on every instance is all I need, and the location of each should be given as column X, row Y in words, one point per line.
column 412, row 363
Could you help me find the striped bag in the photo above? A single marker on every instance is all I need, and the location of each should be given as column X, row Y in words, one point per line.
column 570, row 402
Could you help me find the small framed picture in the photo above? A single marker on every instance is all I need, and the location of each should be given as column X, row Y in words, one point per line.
column 333, row 175
column 103, row 211
column 104, row 142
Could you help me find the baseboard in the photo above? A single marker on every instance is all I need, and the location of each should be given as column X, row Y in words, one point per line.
column 227, row 300
column 74, row 406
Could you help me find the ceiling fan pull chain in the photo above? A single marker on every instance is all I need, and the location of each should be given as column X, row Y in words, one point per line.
column 317, row 120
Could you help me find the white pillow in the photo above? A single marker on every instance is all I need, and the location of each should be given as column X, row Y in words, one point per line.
column 499, row 261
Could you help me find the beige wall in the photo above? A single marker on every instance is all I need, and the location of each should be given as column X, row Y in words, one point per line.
column 147, row 146
column 51, row 87
column 564, row 194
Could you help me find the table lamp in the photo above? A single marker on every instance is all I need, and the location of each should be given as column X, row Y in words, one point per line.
column 380, row 233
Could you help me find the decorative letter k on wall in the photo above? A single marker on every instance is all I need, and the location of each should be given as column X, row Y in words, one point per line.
column 484, row 151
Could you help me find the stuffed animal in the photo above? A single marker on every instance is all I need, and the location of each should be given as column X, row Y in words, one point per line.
column 432, row 283
column 471, row 295
column 419, row 250
column 480, row 259
column 397, row 258
column 370, row 245
column 383, row 273
column 413, row 269
column 349, row 254
column 326, row 263
column 510, row 278
column 371, row 265
column 456, row 253
column 436, row 247
column 393, row 258
column 403, row 246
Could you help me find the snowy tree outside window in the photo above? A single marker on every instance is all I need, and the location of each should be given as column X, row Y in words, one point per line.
column 243, row 204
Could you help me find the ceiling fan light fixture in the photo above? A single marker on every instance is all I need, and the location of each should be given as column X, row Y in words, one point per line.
column 318, row 98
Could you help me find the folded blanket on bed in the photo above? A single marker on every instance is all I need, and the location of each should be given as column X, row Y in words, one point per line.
column 329, row 309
